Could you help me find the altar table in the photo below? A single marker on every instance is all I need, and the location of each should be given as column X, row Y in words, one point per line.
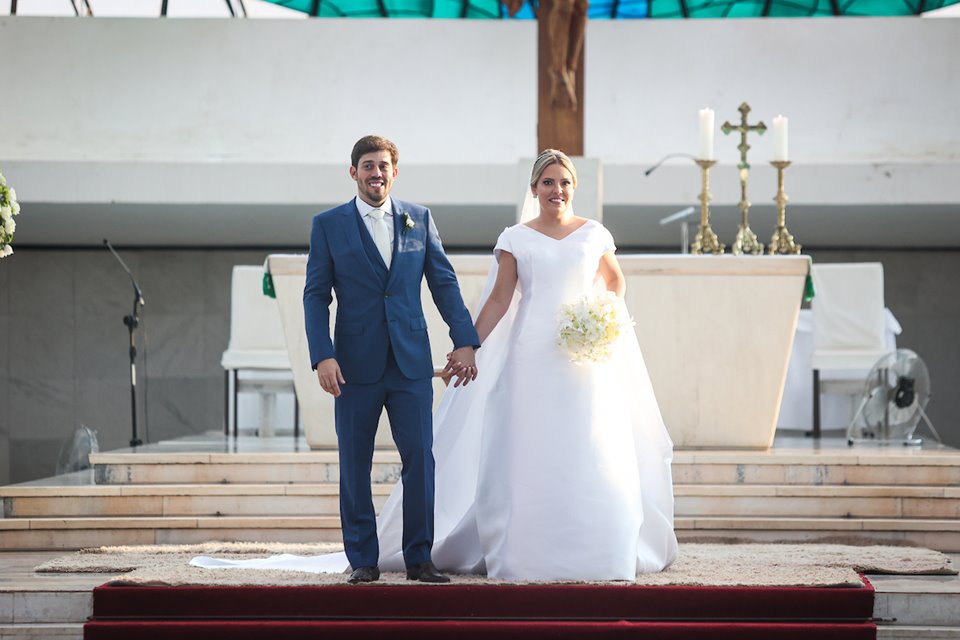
column 716, row 333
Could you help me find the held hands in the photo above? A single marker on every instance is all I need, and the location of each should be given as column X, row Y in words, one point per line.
column 328, row 373
column 461, row 363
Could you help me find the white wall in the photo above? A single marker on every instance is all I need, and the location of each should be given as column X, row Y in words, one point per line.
column 257, row 115
column 856, row 90
column 872, row 104
column 264, row 91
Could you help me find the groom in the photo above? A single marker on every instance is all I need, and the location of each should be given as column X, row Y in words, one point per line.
column 374, row 252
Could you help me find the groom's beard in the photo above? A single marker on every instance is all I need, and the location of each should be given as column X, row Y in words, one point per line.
column 375, row 194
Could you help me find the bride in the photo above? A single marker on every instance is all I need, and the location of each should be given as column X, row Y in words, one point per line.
column 546, row 469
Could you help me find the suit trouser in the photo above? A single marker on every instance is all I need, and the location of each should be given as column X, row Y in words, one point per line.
column 409, row 405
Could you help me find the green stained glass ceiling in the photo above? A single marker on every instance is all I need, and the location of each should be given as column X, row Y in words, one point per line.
column 484, row 9
column 616, row 9
column 789, row 8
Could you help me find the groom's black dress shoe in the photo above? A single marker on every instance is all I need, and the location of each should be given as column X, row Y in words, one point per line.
column 426, row 572
column 364, row 574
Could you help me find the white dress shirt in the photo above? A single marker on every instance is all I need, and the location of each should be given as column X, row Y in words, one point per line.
column 386, row 207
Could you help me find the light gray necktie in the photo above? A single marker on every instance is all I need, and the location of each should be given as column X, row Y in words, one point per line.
column 381, row 235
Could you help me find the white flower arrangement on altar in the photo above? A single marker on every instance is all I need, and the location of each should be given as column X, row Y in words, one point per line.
column 9, row 207
column 590, row 325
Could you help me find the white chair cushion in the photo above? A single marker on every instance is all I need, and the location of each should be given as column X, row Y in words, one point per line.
column 254, row 359
column 848, row 310
column 863, row 360
column 256, row 331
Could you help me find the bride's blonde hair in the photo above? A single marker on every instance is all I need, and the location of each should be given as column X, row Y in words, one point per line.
column 548, row 157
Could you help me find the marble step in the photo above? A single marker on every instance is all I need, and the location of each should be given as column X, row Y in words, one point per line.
column 72, row 533
column 178, row 500
column 42, row 631
column 918, row 600
column 214, row 500
column 876, row 501
column 232, row 468
column 49, row 606
column 776, row 466
column 918, row 632
column 76, row 533
column 941, row 535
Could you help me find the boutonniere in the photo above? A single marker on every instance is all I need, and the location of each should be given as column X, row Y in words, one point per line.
column 408, row 222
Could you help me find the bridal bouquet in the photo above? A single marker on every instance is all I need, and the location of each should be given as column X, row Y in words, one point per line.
column 8, row 208
column 590, row 325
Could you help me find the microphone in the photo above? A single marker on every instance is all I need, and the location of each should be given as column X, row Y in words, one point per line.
column 123, row 264
column 667, row 157
column 679, row 215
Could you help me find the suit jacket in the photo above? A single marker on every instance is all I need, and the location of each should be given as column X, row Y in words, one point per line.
column 379, row 308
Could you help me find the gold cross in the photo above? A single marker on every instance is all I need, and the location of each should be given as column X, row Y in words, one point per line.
column 744, row 129
column 746, row 241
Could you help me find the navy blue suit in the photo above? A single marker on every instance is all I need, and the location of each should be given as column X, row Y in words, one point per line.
column 380, row 342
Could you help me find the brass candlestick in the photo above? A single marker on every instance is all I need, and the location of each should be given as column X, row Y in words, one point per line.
column 706, row 240
column 782, row 241
column 746, row 241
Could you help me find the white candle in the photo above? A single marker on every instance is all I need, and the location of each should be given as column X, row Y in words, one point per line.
column 706, row 134
column 780, row 139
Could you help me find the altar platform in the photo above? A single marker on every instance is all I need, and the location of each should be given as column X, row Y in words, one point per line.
column 214, row 487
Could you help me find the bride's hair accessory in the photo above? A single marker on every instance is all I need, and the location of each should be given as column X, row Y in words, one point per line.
column 590, row 325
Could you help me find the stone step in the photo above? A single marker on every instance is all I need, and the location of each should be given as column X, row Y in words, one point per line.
column 776, row 466
column 918, row 632
column 848, row 473
column 232, row 468
column 875, row 501
column 42, row 631
column 72, row 533
column 48, row 606
column 178, row 500
column 26, row 501
column 77, row 533
column 915, row 600
column 941, row 535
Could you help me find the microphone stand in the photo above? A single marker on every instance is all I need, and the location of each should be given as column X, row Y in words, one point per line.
column 679, row 215
column 684, row 227
column 131, row 321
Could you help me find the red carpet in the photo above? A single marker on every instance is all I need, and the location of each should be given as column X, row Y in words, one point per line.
column 481, row 611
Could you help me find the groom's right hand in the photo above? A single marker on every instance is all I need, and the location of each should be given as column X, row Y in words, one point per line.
column 328, row 373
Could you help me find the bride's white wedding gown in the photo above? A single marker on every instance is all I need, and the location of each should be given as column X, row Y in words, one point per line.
column 546, row 470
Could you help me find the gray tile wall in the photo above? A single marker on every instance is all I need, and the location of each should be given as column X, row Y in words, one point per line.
column 64, row 349
column 64, row 362
column 4, row 375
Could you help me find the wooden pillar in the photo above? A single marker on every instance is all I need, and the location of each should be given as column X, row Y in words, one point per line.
column 557, row 127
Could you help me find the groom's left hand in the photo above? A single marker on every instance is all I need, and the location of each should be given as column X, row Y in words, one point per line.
column 462, row 363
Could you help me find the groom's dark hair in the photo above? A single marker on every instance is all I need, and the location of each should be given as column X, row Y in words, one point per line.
column 366, row 144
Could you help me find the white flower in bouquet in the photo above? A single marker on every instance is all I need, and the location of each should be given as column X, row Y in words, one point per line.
column 9, row 207
column 590, row 325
